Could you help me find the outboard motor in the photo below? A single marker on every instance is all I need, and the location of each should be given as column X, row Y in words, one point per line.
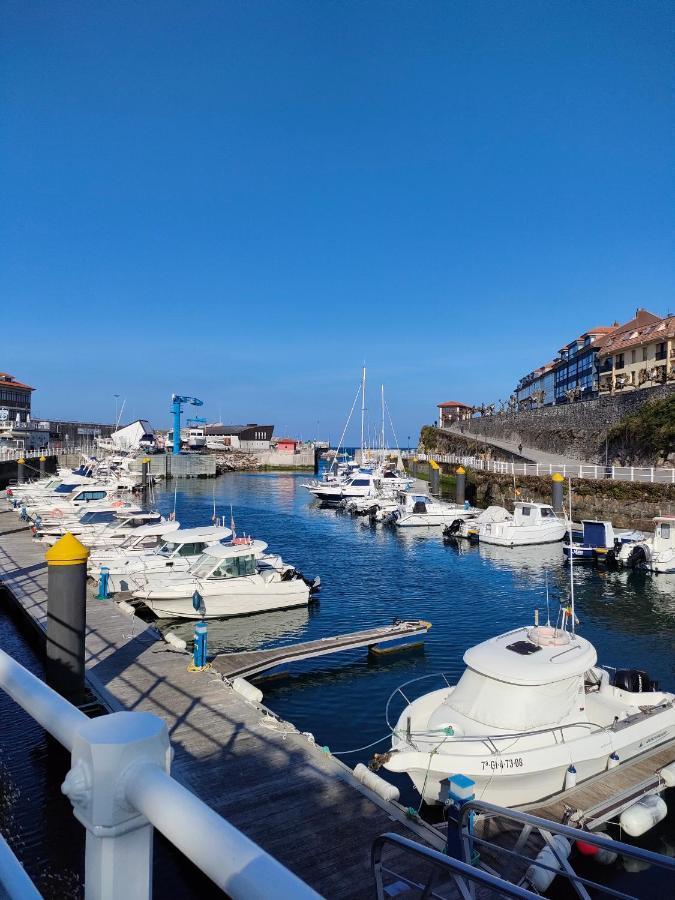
column 635, row 681
column 637, row 558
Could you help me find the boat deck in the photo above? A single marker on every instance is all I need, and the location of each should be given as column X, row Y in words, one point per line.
column 299, row 803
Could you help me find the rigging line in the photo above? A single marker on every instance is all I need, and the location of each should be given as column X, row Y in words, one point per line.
column 393, row 430
column 358, row 749
column 344, row 430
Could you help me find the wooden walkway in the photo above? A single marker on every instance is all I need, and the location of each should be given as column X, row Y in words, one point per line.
column 300, row 804
column 233, row 665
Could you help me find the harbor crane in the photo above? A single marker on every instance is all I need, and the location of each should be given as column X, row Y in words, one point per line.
column 177, row 401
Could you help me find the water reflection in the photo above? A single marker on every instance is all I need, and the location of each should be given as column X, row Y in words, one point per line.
column 248, row 633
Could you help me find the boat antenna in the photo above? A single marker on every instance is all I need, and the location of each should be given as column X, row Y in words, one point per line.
column 175, row 496
column 382, row 436
column 569, row 481
column 548, row 608
column 213, row 519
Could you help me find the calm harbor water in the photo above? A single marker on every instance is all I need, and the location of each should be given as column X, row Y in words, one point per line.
column 369, row 576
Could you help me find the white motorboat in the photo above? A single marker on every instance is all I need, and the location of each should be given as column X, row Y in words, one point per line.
column 656, row 553
column 229, row 582
column 532, row 523
column 421, row 510
column 54, row 525
column 469, row 528
column 61, row 504
column 531, row 713
column 361, row 484
column 111, row 531
column 178, row 548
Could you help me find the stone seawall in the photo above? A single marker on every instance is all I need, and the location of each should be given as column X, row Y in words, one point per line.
column 576, row 430
column 626, row 504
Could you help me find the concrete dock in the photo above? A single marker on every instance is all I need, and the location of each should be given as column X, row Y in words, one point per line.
column 299, row 803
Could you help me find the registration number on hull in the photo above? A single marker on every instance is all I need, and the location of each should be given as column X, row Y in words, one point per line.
column 496, row 765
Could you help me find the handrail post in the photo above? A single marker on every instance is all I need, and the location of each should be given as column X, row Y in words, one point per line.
column 118, row 853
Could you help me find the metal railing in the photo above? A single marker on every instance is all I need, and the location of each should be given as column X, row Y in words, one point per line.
column 461, row 873
column 120, row 787
column 519, row 872
column 528, row 823
column 653, row 474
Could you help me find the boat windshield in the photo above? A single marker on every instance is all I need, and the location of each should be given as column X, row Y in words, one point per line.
column 202, row 566
column 513, row 707
column 235, row 567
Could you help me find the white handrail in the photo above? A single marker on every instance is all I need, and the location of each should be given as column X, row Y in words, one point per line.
column 49, row 709
column 13, row 877
column 118, row 759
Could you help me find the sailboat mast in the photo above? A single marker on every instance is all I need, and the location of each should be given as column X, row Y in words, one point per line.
column 363, row 413
column 571, row 557
column 382, row 435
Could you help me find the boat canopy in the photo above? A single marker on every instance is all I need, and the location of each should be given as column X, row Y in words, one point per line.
column 512, row 707
column 207, row 533
column 245, row 548
column 532, row 656
column 598, row 533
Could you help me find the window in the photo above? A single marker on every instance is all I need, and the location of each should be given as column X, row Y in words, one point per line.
column 93, row 518
column 644, row 354
column 547, row 513
column 633, row 355
column 665, row 531
column 526, row 510
column 86, row 496
column 360, row 482
column 618, row 364
column 193, row 549
column 235, row 567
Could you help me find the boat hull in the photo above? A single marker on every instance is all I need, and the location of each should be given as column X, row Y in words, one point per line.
column 243, row 600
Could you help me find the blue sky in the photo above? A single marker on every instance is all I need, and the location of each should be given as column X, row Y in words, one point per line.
column 242, row 201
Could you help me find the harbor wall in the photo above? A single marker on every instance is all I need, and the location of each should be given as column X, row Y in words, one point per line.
column 626, row 504
column 188, row 465
column 8, row 470
column 576, row 430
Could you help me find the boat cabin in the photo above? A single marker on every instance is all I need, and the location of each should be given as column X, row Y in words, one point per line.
column 597, row 534
column 148, row 537
column 532, row 513
column 664, row 533
column 416, row 504
column 228, row 560
column 191, row 541
column 524, row 680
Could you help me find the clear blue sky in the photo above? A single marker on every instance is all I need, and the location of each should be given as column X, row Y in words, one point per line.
column 244, row 200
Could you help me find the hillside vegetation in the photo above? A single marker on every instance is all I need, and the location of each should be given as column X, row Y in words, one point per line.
column 647, row 437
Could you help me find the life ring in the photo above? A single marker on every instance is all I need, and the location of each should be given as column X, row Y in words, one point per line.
column 118, row 503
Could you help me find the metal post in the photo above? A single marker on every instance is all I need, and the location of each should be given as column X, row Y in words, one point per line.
column 460, row 485
column 43, row 460
column 20, row 470
column 66, row 616
column 557, row 490
column 106, row 753
column 434, row 477
column 175, row 409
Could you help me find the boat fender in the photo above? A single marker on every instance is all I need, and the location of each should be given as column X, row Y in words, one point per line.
column 126, row 607
column 376, row 784
column 643, row 815
column 540, row 878
column 613, row 761
column 667, row 773
column 248, row 690
column 175, row 641
column 570, row 777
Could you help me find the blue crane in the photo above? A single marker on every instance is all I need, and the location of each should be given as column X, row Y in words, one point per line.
column 177, row 402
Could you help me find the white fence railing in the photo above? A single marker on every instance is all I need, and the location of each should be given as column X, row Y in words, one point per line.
column 120, row 787
column 13, row 453
column 652, row 475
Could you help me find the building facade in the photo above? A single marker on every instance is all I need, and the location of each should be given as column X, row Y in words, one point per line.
column 536, row 389
column 453, row 411
column 640, row 354
column 15, row 400
column 575, row 374
column 248, row 438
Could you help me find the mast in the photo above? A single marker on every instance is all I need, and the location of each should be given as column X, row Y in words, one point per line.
column 382, row 434
column 571, row 559
column 363, row 412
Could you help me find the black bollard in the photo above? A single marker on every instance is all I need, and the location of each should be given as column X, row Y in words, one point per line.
column 43, row 460
column 460, row 485
column 145, row 469
column 434, row 477
column 20, row 463
column 557, row 490
column 66, row 616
